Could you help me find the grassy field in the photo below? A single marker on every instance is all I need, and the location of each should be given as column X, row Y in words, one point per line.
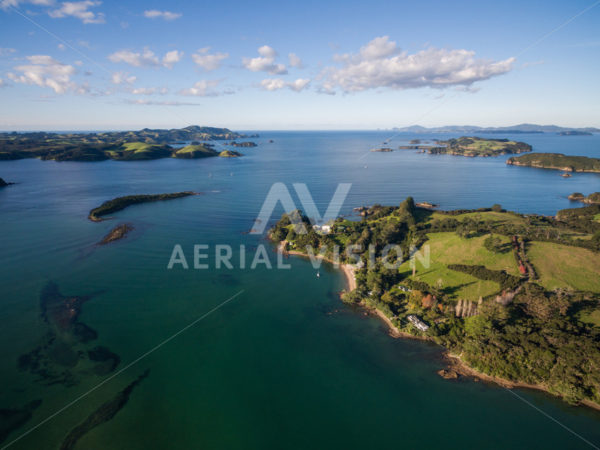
column 564, row 266
column 449, row 248
column 486, row 216
column 194, row 151
column 592, row 317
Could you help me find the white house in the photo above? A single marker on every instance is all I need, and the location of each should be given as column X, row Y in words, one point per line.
column 325, row 229
column 419, row 325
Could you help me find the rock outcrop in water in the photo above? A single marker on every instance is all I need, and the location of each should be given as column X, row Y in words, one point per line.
column 243, row 144
column 118, row 232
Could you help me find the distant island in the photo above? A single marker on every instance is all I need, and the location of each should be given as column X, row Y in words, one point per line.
column 514, row 129
column 512, row 297
column 246, row 144
column 4, row 183
column 575, row 133
column 145, row 144
column 467, row 146
column 557, row 161
column 120, row 203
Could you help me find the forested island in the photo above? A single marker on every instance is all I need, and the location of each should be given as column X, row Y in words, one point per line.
column 120, row 203
column 145, row 144
column 514, row 298
column 556, row 161
column 469, row 146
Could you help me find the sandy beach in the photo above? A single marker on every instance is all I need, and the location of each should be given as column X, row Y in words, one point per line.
column 347, row 269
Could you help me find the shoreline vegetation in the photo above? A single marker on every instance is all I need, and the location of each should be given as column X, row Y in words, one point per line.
column 504, row 310
column 120, row 203
column 466, row 146
column 139, row 145
column 557, row 161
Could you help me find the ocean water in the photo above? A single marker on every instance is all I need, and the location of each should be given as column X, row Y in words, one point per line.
column 284, row 364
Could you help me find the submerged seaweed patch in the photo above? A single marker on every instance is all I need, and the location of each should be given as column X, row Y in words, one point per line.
column 63, row 355
column 101, row 415
column 13, row 419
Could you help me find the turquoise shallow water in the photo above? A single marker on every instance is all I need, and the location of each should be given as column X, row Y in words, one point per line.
column 284, row 364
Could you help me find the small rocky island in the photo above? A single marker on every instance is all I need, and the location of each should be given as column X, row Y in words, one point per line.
column 118, row 232
column 243, row 144
column 383, row 149
column 230, row 154
column 591, row 199
column 119, row 203
column 557, row 161
column 470, row 146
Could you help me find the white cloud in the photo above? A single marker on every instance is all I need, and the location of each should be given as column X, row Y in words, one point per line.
column 275, row 84
column 80, row 10
column 122, row 78
column 265, row 62
column 295, row 61
column 2, row 83
column 156, row 14
column 143, row 91
column 61, row 47
column 4, row 51
column 6, row 4
column 139, row 101
column 205, row 88
column 207, row 60
column 146, row 58
column 171, row 58
column 149, row 91
column 382, row 64
column 45, row 71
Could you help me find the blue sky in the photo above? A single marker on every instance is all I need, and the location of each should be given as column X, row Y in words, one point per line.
column 297, row 65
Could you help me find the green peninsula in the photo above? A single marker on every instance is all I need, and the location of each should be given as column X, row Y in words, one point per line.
column 513, row 298
column 145, row 144
column 557, row 161
column 119, row 203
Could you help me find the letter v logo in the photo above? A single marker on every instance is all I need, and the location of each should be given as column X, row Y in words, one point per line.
column 279, row 193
